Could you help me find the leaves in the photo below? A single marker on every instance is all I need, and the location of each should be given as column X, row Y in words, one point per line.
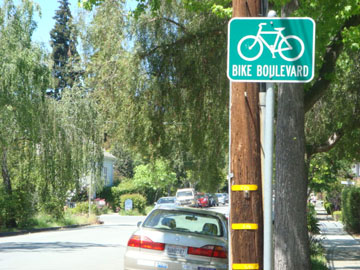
column 48, row 146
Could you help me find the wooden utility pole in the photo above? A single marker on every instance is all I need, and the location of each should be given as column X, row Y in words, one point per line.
column 246, row 217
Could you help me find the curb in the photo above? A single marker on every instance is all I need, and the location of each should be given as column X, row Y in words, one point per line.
column 22, row 232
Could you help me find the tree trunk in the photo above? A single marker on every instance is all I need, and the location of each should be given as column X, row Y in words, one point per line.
column 291, row 235
column 10, row 220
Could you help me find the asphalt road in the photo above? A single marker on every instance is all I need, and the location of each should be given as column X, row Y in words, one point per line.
column 92, row 247
column 85, row 248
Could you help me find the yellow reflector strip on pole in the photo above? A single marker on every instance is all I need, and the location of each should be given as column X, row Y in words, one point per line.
column 244, row 226
column 243, row 187
column 245, row 266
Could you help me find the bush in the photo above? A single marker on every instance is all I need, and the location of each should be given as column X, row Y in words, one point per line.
column 83, row 208
column 312, row 222
column 139, row 202
column 112, row 194
column 329, row 207
column 337, row 215
column 351, row 208
column 107, row 194
column 318, row 260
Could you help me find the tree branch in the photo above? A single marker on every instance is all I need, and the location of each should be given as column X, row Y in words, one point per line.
column 332, row 53
column 181, row 26
column 183, row 40
column 327, row 146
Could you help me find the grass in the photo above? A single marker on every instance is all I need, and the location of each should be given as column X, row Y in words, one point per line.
column 318, row 262
column 46, row 221
column 136, row 212
column 40, row 221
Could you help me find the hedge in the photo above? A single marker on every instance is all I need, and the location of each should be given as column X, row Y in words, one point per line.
column 113, row 194
column 139, row 202
column 351, row 208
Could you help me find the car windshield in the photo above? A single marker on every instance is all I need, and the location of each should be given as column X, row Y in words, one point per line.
column 166, row 200
column 184, row 194
column 184, row 221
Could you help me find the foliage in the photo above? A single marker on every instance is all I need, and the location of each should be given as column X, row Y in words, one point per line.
column 329, row 207
column 125, row 187
column 337, row 215
column 139, row 202
column 319, row 262
column 325, row 171
column 351, row 208
column 312, row 222
column 83, row 208
column 333, row 197
column 335, row 118
column 46, row 147
column 167, row 109
column 183, row 105
column 157, row 176
column 64, row 53
column 106, row 193
column 219, row 7
column 317, row 254
column 42, row 220
column 125, row 163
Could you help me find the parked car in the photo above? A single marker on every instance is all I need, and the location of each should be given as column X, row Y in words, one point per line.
column 226, row 197
column 166, row 201
column 178, row 237
column 213, row 200
column 222, row 198
column 202, row 200
column 186, row 196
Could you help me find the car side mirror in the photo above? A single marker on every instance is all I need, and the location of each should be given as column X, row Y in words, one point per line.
column 138, row 224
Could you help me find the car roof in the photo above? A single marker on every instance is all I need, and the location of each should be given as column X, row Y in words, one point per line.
column 191, row 210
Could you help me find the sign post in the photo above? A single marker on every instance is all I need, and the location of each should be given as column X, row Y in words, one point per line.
column 271, row 49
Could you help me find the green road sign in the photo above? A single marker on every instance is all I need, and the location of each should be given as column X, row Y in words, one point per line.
column 271, row 49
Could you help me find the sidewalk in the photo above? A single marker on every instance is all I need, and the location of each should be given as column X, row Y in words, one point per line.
column 343, row 250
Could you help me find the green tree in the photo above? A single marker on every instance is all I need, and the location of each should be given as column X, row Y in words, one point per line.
column 293, row 102
column 46, row 146
column 157, row 177
column 23, row 83
column 64, row 54
column 177, row 40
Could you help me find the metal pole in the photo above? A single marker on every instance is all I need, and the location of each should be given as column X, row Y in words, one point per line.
column 268, row 149
column 268, row 169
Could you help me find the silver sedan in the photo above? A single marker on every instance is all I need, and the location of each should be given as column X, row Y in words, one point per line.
column 179, row 238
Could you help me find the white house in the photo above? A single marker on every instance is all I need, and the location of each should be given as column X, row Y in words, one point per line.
column 108, row 169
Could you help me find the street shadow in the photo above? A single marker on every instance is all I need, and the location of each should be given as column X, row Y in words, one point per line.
column 49, row 246
column 342, row 250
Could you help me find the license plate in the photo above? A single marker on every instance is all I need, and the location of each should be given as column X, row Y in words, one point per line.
column 172, row 250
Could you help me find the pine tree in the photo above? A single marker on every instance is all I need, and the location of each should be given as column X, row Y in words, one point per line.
column 64, row 53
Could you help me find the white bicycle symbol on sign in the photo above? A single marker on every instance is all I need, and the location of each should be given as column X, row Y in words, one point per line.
column 282, row 44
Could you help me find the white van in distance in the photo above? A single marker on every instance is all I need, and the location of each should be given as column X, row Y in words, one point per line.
column 186, row 196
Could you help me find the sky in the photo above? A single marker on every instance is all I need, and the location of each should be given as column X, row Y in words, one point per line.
column 45, row 23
